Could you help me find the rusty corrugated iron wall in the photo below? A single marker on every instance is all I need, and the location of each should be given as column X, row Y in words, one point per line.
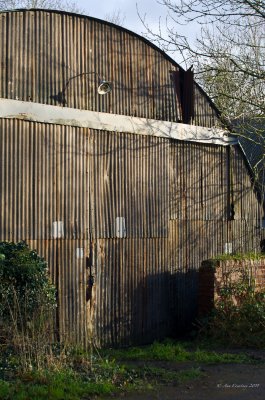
column 123, row 220
column 42, row 50
column 43, row 168
column 140, row 283
column 43, row 180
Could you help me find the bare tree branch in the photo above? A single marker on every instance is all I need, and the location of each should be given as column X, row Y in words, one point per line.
column 64, row 5
column 228, row 57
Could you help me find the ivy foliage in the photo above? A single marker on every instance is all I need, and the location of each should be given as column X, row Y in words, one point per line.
column 239, row 314
column 25, row 287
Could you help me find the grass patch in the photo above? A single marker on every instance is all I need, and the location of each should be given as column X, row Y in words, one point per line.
column 84, row 375
column 81, row 378
column 63, row 385
column 188, row 375
column 104, row 378
column 239, row 256
column 176, row 352
column 162, row 375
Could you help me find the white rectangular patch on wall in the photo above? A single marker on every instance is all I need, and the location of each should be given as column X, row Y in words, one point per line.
column 228, row 248
column 57, row 230
column 79, row 252
column 120, row 227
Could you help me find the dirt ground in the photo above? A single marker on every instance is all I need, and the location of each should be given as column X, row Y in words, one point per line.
column 218, row 382
column 230, row 382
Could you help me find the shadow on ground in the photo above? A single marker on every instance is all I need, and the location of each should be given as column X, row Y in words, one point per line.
column 217, row 382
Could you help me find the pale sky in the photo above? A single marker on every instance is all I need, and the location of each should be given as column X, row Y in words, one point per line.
column 127, row 8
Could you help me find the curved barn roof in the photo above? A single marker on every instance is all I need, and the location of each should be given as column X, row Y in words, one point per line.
column 57, row 58
column 44, row 49
column 123, row 29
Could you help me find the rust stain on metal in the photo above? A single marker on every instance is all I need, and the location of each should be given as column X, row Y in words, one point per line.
column 173, row 195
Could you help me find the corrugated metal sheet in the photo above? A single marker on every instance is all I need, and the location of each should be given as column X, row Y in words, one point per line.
column 42, row 50
column 68, row 270
column 123, row 186
column 140, row 283
column 123, row 220
column 243, row 195
column 133, row 278
column 252, row 140
column 43, row 169
column 198, row 182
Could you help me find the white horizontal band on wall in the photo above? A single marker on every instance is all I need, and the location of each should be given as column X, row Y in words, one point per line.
column 112, row 122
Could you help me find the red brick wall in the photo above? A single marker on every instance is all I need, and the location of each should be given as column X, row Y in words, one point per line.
column 214, row 274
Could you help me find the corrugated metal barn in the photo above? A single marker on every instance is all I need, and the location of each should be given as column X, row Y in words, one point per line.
column 125, row 193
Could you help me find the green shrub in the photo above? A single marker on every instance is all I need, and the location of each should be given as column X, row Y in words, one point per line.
column 24, row 283
column 27, row 300
column 239, row 314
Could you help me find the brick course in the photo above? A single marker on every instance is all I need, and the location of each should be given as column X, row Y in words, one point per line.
column 214, row 274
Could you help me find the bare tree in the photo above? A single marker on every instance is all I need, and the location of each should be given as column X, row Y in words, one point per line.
column 230, row 66
column 116, row 17
column 65, row 5
column 228, row 56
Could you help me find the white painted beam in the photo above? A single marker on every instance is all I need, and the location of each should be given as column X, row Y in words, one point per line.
column 36, row 112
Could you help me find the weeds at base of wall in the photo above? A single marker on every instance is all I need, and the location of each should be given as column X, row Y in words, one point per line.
column 239, row 256
column 238, row 318
column 70, row 380
column 31, row 366
column 27, row 303
column 78, row 378
column 75, row 373
column 84, row 375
